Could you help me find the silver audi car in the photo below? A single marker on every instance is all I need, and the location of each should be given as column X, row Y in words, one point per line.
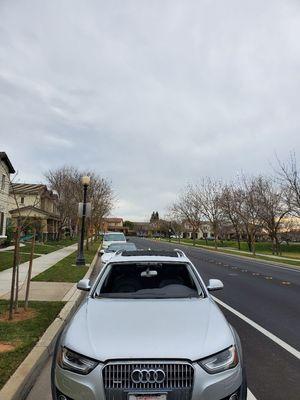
column 148, row 330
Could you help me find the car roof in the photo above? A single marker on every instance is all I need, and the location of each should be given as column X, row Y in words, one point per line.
column 150, row 256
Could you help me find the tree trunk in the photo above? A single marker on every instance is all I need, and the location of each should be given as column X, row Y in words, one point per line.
column 13, row 280
column 238, row 239
column 249, row 243
column 253, row 245
column 274, row 250
column 29, row 271
column 277, row 246
column 16, row 305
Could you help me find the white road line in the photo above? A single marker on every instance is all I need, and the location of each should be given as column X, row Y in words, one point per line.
column 250, row 395
column 270, row 335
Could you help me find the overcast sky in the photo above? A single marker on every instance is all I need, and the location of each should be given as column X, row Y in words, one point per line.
column 150, row 94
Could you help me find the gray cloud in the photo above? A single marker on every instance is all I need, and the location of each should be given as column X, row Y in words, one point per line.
column 150, row 94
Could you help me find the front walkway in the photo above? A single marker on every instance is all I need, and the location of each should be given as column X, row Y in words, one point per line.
column 40, row 264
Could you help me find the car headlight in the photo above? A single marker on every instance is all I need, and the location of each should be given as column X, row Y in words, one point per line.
column 222, row 361
column 75, row 362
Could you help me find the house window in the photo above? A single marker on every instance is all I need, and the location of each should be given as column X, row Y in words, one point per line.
column 22, row 200
column 3, row 182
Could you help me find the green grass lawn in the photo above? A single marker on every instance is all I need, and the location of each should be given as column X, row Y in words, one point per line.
column 24, row 334
column 65, row 270
column 48, row 247
column 7, row 257
column 291, row 250
column 263, row 248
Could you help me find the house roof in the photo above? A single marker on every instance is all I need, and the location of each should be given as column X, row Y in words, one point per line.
column 4, row 158
column 34, row 209
column 113, row 219
column 28, row 188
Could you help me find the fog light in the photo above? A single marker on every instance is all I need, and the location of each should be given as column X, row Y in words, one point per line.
column 234, row 396
column 61, row 396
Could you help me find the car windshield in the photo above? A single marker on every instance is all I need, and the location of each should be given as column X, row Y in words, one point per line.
column 116, row 237
column 112, row 248
column 148, row 281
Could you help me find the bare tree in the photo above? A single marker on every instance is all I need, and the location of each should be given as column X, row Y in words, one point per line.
column 228, row 205
column 207, row 198
column 66, row 181
column 272, row 208
column 290, row 176
column 247, row 207
column 187, row 210
column 102, row 200
column 176, row 223
column 21, row 222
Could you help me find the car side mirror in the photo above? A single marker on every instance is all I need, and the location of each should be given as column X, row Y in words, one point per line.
column 101, row 252
column 214, row 284
column 84, row 284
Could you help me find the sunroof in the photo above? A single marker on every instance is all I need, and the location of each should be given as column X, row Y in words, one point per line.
column 154, row 253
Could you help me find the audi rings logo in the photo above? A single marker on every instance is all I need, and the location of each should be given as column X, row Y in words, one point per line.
column 148, row 376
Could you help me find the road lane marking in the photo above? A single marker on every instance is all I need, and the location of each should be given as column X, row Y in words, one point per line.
column 264, row 331
column 250, row 395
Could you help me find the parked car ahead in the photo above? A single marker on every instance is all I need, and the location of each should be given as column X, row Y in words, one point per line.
column 111, row 237
column 111, row 250
column 149, row 330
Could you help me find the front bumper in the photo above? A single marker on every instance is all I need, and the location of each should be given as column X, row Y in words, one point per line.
column 91, row 387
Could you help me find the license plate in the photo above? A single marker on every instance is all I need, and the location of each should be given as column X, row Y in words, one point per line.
column 147, row 396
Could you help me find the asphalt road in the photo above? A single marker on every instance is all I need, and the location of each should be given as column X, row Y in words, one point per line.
column 264, row 307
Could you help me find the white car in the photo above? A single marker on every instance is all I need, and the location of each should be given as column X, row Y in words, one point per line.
column 111, row 250
column 149, row 330
column 113, row 237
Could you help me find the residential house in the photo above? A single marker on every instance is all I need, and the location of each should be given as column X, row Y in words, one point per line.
column 111, row 224
column 203, row 232
column 6, row 169
column 36, row 206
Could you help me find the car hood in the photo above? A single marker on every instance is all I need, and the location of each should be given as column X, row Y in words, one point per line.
column 106, row 329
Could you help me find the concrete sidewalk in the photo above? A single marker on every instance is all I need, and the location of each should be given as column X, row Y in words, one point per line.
column 40, row 264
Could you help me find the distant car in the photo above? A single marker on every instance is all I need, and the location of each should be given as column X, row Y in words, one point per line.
column 149, row 330
column 113, row 237
column 111, row 250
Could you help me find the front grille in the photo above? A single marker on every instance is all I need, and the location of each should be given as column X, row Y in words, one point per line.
column 178, row 380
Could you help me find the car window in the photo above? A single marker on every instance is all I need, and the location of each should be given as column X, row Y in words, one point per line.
column 117, row 237
column 138, row 280
column 112, row 248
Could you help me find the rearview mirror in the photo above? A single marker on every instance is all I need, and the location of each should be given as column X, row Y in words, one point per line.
column 101, row 252
column 84, row 284
column 214, row 284
column 148, row 273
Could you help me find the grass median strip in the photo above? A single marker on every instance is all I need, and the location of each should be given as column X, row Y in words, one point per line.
column 199, row 244
column 19, row 336
column 65, row 270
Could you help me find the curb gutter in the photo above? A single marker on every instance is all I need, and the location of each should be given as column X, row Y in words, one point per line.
column 20, row 383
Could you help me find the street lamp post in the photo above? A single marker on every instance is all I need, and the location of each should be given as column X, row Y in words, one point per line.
column 85, row 180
